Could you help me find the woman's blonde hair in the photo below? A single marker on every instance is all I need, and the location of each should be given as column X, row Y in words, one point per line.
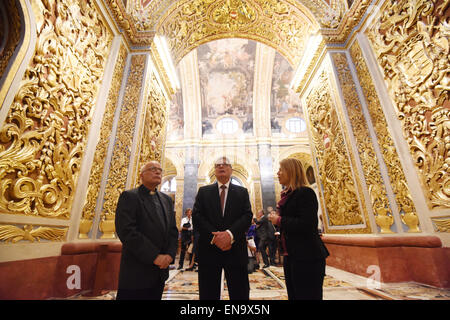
column 295, row 172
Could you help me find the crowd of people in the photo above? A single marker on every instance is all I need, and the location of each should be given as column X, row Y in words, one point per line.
column 220, row 235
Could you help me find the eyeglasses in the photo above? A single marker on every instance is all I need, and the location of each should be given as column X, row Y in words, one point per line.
column 218, row 165
column 154, row 170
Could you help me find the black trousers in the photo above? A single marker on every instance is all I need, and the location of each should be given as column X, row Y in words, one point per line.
column 184, row 246
column 265, row 244
column 153, row 293
column 209, row 283
column 304, row 279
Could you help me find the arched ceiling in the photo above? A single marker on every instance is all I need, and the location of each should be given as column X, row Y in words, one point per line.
column 236, row 80
column 282, row 24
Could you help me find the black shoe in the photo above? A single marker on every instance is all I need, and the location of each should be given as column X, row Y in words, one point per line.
column 266, row 266
column 180, row 267
column 190, row 269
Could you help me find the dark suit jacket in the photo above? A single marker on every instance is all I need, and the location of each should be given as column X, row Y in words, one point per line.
column 207, row 218
column 299, row 226
column 143, row 237
column 264, row 230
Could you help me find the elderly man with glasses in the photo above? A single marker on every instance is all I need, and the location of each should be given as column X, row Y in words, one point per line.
column 222, row 215
column 145, row 223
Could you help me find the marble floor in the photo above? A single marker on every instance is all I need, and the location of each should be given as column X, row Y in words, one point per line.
column 268, row 284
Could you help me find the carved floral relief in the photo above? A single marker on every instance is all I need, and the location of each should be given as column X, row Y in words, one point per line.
column 334, row 166
column 411, row 44
column 44, row 135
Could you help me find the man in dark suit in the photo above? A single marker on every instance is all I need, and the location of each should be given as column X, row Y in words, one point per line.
column 266, row 235
column 145, row 223
column 222, row 215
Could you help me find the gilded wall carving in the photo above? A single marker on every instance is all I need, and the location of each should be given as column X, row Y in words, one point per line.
column 441, row 224
column 43, row 137
column 153, row 126
column 334, row 166
column 397, row 177
column 13, row 233
column 371, row 170
column 410, row 41
column 118, row 169
column 276, row 23
column 98, row 164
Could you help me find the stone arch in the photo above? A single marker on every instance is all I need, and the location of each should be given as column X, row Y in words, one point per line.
column 284, row 25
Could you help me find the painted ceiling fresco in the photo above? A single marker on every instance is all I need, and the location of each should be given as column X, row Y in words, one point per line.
column 226, row 73
column 226, row 70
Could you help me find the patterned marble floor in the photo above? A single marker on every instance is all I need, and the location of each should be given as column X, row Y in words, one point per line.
column 268, row 284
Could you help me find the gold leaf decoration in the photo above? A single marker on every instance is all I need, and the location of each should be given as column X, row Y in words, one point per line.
column 389, row 153
column 442, row 224
column 11, row 233
column 377, row 191
column 334, row 167
column 410, row 41
column 280, row 24
column 44, row 135
column 118, row 170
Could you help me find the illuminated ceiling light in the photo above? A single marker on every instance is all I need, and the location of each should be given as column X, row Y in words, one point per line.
column 311, row 48
column 164, row 53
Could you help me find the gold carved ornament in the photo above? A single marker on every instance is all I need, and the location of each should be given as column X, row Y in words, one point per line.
column 118, row 169
column 43, row 137
column 154, row 125
column 98, row 164
column 339, row 191
column 411, row 43
column 367, row 155
column 388, row 151
column 442, row 224
column 280, row 24
column 13, row 234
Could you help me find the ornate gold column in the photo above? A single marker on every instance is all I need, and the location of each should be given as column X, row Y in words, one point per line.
column 100, row 160
column 44, row 129
column 123, row 138
column 345, row 209
column 408, row 44
column 384, row 211
column 395, row 178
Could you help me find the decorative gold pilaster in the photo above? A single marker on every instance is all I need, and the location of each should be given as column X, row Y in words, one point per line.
column 179, row 200
column 257, row 201
column 410, row 41
column 118, row 169
column 44, row 135
column 339, row 190
column 390, row 157
column 154, row 125
column 367, row 155
column 98, row 164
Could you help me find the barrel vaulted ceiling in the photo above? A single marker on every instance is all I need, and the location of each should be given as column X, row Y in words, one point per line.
column 284, row 25
column 244, row 53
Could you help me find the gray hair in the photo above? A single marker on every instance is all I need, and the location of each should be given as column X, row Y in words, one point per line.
column 222, row 160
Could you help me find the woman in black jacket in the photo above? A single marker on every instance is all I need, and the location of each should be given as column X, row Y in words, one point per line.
column 304, row 251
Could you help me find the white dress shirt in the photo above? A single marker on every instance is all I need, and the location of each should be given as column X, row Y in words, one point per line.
column 186, row 220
